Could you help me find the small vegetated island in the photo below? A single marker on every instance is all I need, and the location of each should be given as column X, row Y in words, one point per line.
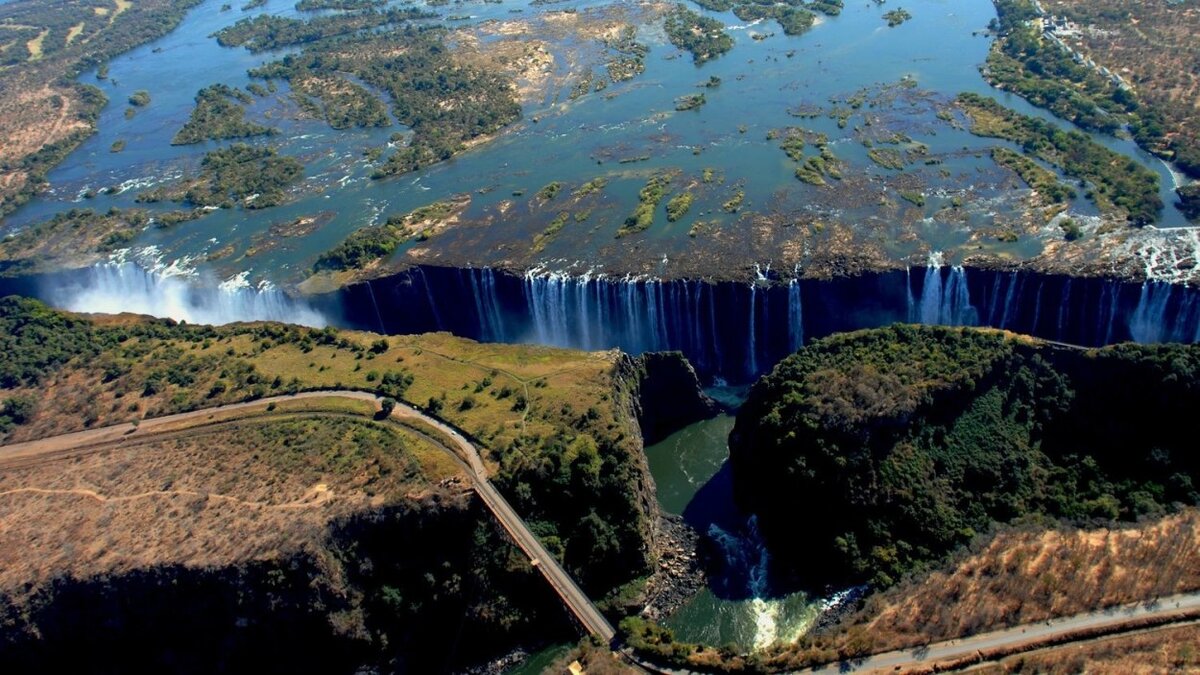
column 249, row 176
column 703, row 37
column 220, row 115
column 447, row 103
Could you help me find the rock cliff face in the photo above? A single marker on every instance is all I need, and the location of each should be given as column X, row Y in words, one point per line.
column 871, row 455
column 659, row 394
column 667, row 392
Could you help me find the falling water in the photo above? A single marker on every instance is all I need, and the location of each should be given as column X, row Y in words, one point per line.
column 795, row 316
column 125, row 287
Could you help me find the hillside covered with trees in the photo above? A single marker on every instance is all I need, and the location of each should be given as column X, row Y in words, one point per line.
column 920, row 438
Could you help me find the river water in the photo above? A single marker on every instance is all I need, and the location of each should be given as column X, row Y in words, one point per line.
column 572, row 141
column 691, row 472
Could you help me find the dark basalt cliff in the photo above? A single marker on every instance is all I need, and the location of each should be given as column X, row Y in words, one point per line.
column 667, row 393
column 871, row 455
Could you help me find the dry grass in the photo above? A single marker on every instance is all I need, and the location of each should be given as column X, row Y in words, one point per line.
column 1023, row 577
column 1169, row 650
column 251, row 489
column 1155, row 50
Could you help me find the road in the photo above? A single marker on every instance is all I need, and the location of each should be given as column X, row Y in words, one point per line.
column 94, row 440
column 1013, row 638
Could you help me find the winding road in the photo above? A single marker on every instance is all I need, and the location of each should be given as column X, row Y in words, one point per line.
column 149, row 430
column 1164, row 611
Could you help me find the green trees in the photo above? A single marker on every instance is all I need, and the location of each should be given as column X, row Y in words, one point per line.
column 386, row 406
column 920, row 438
column 219, row 115
column 703, row 37
column 1120, row 183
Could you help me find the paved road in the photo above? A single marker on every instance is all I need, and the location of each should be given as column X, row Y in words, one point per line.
column 1013, row 637
column 93, row 440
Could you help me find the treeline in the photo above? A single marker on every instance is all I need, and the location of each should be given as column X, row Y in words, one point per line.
column 445, row 103
column 254, row 177
column 267, row 32
column 919, row 438
column 1117, row 182
column 1049, row 76
column 219, row 115
column 703, row 37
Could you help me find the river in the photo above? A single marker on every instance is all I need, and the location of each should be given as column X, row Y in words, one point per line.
column 691, row 472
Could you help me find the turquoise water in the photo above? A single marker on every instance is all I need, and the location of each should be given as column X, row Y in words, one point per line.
column 572, row 141
column 691, row 474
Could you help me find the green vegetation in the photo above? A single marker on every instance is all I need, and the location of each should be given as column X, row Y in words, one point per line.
column 734, row 203
column 314, row 5
column 117, row 145
column 369, row 244
column 1045, row 182
column 1119, row 184
column 813, row 169
column 1189, row 200
column 649, row 197
column 1024, row 62
column 140, row 98
column 593, row 186
column 921, row 437
column 629, row 55
column 888, row 158
column 793, row 19
column 896, row 17
column 915, row 198
column 341, row 103
column 1048, row 75
column 547, row 235
column 690, row 102
column 446, row 104
column 550, row 191
column 678, row 206
column 254, row 177
column 703, row 37
column 1071, row 229
column 219, row 115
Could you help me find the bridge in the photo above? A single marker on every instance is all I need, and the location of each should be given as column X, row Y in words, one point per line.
column 441, row 434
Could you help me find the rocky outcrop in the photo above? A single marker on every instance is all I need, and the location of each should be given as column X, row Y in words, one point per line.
column 668, row 395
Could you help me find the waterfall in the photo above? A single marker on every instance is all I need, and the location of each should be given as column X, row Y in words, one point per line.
column 1014, row 293
column 1063, row 309
column 491, row 304
column 946, row 301
column 1037, row 307
column 1148, row 323
column 375, row 305
column 752, row 346
column 911, row 302
column 113, row 288
column 795, row 316
column 746, row 573
column 437, row 317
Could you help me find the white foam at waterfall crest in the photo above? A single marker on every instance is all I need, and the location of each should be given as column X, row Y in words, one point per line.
column 174, row 292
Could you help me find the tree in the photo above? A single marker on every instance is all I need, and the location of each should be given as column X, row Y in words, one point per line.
column 386, row 406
